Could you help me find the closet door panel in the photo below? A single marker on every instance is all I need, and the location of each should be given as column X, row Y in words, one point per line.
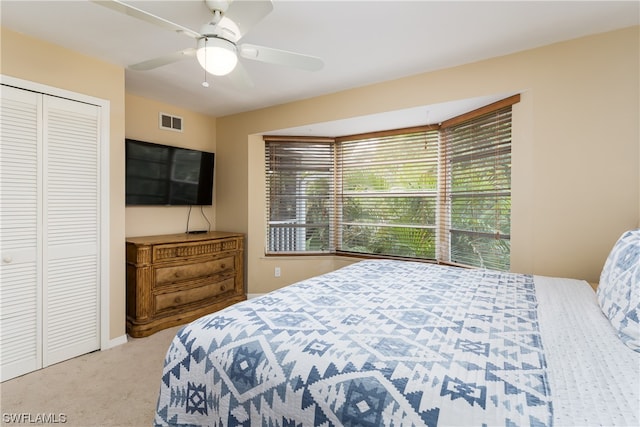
column 20, row 321
column 71, row 229
column 72, row 323
column 20, row 277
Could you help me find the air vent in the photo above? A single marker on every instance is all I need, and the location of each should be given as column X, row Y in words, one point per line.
column 169, row 122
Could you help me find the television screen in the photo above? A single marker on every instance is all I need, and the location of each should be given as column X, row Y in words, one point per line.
column 163, row 175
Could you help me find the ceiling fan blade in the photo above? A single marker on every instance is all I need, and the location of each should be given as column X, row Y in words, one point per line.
column 163, row 60
column 240, row 78
column 280, row 57
column 126, row 9
column 246, row 14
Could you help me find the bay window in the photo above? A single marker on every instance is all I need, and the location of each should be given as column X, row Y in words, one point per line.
column 434, row 192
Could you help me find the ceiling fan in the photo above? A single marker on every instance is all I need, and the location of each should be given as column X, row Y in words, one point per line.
column 217, row 48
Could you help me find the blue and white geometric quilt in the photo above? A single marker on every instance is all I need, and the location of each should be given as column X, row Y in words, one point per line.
column 377, row 343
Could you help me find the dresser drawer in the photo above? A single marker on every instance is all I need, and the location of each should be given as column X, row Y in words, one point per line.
column 167, row 275
column 173, row 252
column 178, row 299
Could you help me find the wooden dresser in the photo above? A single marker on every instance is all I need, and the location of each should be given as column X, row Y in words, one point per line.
column 176, row 278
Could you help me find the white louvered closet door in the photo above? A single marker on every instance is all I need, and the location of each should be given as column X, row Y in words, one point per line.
column 49, row 230
column 71, row 229
column 20, row 272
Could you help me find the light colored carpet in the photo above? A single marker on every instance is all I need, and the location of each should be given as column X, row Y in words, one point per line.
column 115, row 387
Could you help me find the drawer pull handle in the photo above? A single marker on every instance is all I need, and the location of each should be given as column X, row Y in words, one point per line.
column 222, row 288
column 177, row 300
column 177, row 274
column 222, row 265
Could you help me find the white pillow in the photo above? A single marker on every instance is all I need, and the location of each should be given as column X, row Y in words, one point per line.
column 619, row 288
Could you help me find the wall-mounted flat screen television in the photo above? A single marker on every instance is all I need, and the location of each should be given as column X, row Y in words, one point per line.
column 163, row 175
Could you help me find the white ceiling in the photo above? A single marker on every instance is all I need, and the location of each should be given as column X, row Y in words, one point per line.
column 361, row 42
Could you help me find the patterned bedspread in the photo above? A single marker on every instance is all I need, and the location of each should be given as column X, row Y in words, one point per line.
column 377, row 343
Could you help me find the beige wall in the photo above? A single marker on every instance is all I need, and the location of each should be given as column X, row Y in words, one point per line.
column 33, row 60
column 576, row 152
column 141, row 122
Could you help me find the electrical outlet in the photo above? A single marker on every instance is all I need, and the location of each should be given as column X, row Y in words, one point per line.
column 277, row 272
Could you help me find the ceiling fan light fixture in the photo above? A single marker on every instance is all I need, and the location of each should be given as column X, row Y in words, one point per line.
column 216, row 55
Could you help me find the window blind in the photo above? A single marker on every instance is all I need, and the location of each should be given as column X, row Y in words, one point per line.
column 388, row 193
column 300, row 194
column 477, row 191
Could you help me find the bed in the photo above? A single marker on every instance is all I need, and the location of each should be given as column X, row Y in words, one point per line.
column 400, row 343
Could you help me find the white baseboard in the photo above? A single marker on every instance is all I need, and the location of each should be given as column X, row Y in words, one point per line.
column 115, row 342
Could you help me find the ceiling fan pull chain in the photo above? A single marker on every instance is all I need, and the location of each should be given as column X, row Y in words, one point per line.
column 205, row 83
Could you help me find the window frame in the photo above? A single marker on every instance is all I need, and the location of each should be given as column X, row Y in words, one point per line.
column 372, row 152
column 290, row 233
column 481, row 145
